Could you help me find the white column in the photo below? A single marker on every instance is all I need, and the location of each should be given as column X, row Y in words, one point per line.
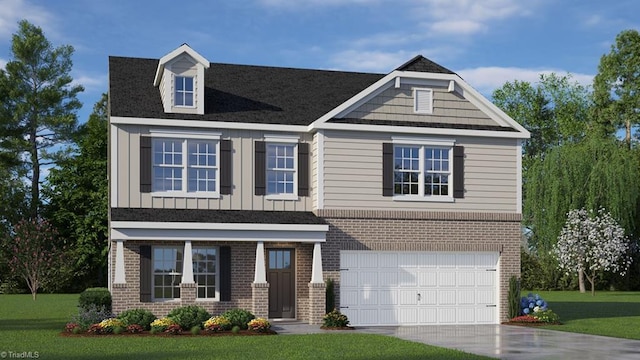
column 187, row 264
column 119, row 276
column 260, row 276
column 316, row 270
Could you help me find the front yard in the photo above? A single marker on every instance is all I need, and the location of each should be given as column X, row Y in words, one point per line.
column 32, row 329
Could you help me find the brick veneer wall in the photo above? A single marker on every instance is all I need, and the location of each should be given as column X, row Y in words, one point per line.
column 390, row 230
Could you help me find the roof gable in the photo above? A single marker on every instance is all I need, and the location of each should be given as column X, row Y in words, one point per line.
column 421, row 64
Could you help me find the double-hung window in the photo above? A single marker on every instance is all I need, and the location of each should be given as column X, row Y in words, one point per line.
column 168, row 267
column 205, row 271
column 183, row 94
column 422, row 171
column 189, row 166
column 281, row 169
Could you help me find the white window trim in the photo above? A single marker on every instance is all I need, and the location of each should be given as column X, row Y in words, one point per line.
column 153, row 277
column 415, row 101
column 217, row 297
column 185, row 136
column 193, row 92
column 282, row 140
column 426, row 143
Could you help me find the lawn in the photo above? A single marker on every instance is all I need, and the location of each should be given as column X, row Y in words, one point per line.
column 608, row 313
column 35, row 326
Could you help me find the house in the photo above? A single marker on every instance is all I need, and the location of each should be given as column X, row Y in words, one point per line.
column 236, row 186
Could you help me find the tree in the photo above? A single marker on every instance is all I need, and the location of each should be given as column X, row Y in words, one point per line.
column 38, row 94
column 77, row 200
column 617, row 86
column 591, row 243
column 34, row 255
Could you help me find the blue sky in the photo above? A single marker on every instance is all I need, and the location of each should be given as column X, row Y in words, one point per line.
column 487, row 42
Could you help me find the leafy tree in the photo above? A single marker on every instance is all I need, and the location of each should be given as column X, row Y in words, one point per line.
column 591, row 243
column 34, row 255
column 38, row 93
column 617, row 86
column 77, row 200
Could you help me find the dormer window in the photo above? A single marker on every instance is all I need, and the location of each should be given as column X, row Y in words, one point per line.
column 183, row 95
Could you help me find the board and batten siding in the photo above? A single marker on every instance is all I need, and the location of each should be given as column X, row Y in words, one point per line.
column 397, row 105
column 242, row 166
column 352, row 170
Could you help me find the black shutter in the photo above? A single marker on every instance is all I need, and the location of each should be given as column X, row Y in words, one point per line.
column 145, row 273
column 303, row 169
column 458, row 172
column 260, row 168
column 145, row 164
column 225, row 273
column 387, row 169
column 225, row 167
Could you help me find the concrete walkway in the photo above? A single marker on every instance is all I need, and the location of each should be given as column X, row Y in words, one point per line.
column 499, row 341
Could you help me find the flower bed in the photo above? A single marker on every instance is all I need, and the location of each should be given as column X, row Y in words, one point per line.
column 534, row 311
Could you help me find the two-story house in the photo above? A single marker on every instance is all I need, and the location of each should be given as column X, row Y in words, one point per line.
column 235, row 186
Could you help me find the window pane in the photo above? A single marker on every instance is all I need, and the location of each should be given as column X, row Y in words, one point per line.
column 179, row 83
column 188, row 99
column 188, row 83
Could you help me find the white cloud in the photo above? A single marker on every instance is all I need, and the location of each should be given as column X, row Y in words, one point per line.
column 91, row 82
column 16, row 10
column 487, row 79
column 302, row 3
column 382, row 61
column 460, row 27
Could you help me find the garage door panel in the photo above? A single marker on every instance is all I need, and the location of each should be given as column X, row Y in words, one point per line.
column 413, row 288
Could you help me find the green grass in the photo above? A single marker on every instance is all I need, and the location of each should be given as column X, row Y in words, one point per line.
column 608, row 313
column 35, row 326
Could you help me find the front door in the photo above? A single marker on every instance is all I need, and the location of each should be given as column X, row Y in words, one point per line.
column 281, row 279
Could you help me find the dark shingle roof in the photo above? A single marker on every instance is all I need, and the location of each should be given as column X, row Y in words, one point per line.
column 238, row 93
column 420, row 124
column 246, row 93
column 422, row 64
column 215, row 216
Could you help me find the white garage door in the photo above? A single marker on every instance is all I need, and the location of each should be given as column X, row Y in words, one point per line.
column 419, row 288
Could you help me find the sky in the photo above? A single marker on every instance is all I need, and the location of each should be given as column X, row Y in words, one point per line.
column 486, row 42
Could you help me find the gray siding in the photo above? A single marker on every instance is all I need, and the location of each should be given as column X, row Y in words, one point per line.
column 397, row 105
column 242, row 197
column 353, row 175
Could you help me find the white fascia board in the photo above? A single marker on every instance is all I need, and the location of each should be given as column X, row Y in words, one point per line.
column 519, row 176
column 217, row 226
column 422, row 130
column 113, row 159
column 203, row 124
column 184, row 48
column 217, row 235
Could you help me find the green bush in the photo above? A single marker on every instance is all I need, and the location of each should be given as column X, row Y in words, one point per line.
column 514, row 297
column 142, row 317
column 189, row 316
column 90, row 315
column 330, row 296
column 335, row 319
column 239, row 317
column 100, row 297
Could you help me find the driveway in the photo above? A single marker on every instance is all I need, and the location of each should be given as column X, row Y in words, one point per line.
column 500, row 341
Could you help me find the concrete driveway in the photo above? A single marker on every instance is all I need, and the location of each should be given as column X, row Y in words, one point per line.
column 500, row 341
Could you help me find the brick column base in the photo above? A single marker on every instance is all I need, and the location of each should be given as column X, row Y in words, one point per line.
column 122, row 297
column 260, row 300
column 317, row 303
column 188, row 294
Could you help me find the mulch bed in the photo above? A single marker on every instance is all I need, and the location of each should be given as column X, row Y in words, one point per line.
column 532, row 324
column 184, row 333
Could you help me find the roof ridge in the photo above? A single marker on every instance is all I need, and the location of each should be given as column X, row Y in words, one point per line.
column 420, row 63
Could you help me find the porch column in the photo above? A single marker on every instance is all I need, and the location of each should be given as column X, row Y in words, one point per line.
column 187, row 264
column 260, row 287
column 316, row 269
column 260, row 276
column 119, row 275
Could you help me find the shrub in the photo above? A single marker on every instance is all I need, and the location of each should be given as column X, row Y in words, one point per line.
column 71, row 327
column 217, row 323
column 109, row 325
column 142, row 317
column 239, row 317
column 259, row 325
column 118, row 330
column 532, row 303
column 335, row 319
column 90, row 315
column 173, row 329
column 546, row 316
column 189, row 316
column 195, row 330
column 135, row 329
column 330, row 301
column 95, row 329
column 99, row 297
column 514, row 297
column 235, row 329
column 160, row 325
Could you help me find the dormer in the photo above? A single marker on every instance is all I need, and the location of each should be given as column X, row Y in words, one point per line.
column 180, row 79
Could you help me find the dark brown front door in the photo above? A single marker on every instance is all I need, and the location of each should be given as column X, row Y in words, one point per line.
column 281, row 279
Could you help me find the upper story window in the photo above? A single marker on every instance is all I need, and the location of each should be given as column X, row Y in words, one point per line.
column 423, row 101
column 185, row 165
column 422, row 171
column 183, row 94
column 281, row 169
